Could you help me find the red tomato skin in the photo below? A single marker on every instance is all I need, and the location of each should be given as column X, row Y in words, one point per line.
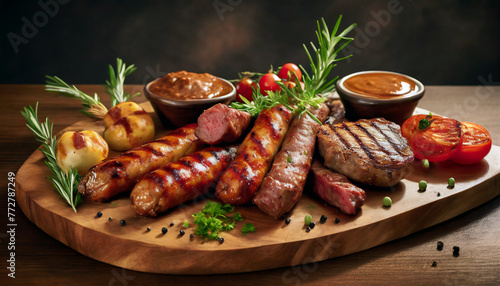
column 290, row 71
column 245, row 88
column 436, row 143
column 472, row 153
column 268, row 82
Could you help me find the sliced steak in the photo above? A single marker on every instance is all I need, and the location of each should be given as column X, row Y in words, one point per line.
column 336, row 189
column 370, row 151
column 222, row 124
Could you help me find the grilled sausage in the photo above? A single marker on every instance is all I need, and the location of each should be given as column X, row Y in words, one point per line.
column 243, row 177
column 109, row 178
column 222, row 124
column 180, row 181
column 282, row 187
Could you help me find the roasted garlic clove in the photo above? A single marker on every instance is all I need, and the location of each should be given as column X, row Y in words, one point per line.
column 80, row 150
column 127, row 126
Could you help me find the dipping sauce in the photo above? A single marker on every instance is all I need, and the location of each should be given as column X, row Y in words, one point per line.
column 381, row 85
column 185, row 85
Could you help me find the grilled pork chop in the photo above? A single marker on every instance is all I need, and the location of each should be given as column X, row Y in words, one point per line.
column 370, row 151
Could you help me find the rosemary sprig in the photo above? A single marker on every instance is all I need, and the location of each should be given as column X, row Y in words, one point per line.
column 65, row 183
column 114, row 87
column 314, row 84
column 93, row 105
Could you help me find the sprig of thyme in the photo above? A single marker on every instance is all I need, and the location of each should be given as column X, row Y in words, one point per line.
column 114, row 87
column 314, row 84
column 93, row 105
column 65, row 183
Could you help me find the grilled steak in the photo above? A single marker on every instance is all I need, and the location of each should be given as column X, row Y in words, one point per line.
column 336, row 189
column 368, row 151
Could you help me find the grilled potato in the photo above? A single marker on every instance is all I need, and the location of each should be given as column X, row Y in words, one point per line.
column 127, row 126
column 80, row 150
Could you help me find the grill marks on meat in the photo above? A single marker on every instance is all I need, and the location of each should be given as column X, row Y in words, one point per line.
column 239, row 183
column 117, row 175
column 369, row 151
column 336, row 189
column 222, row 124
column 282, row 187
column 180, row 181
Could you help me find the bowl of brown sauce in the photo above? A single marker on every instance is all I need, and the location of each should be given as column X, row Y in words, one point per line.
column 180, row 97
column 370, row 94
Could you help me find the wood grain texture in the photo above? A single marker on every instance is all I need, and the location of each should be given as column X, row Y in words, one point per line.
column 274, row 244
column 43, row 260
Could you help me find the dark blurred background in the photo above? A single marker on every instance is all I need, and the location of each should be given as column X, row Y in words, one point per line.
column 438, row 42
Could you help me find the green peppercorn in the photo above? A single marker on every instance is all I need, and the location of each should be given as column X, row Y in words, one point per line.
column 425, row 163
column 451, row 183
column 422, row 185
column 307, row 219
column 387, row 202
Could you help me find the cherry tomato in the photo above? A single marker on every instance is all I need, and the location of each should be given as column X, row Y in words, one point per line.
column 245, row 88
column 289, row 72
column 268, row 82
column 436, row 142
column 475, row 146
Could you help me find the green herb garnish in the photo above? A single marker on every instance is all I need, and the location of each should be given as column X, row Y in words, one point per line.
column 93, row 105
column 248, row 228
column 65, row 183
column 114, row 87
column 424, row 123
column 213, row 219
column 186, row 224
column 315, row 83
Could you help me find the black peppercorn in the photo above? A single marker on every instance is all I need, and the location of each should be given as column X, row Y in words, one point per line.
column 337, row 220
column 456, row 251
column 191, row 235
column 440, row 245
column 308, row 229
column 110, row 219
column 287, row 220
column 312, row 225
column 123, row 222
column 434, row 264
column 323, row 219
column 172, row 224
column 148, row 229
column 221, row 240
column 99, row 214
column 182, row 232
column 164, row 230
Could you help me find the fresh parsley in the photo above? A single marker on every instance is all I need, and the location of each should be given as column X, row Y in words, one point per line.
column 248, row 228
column 213, row 219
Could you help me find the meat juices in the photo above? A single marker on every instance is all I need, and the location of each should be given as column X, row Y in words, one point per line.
column 117, row 175
column 241, row 180
column 222, row 124
column 180, row 181
column 368, row 151
column 282, row 187
column 336, row 189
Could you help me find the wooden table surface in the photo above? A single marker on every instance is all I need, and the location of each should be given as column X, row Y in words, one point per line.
column 41, row 260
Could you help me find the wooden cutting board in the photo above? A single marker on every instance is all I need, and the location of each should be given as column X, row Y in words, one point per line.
column 274, row 244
